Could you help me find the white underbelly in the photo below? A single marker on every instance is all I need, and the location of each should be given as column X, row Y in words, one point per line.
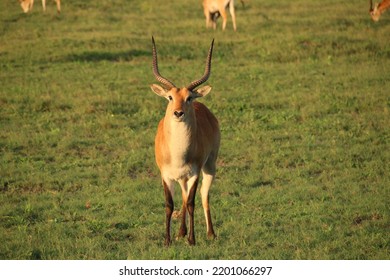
column 179, row 172
column 213, row 7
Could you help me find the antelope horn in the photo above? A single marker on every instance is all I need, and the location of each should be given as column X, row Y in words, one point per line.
column 206, row 74
column 371, row 6
column 157, row 75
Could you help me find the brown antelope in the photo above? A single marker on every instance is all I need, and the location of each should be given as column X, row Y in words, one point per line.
column 27, row 5
column 378, row 9
column 186, row 143
column 214, row 8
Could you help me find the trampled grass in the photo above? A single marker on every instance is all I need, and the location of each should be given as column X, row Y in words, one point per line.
column 301, row 91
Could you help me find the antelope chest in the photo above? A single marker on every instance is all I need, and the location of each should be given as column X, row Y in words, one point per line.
column 182, row 156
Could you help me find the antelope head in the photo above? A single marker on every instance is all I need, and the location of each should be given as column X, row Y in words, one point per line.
column 180, row 99
column 374, row 12
column 26, row 5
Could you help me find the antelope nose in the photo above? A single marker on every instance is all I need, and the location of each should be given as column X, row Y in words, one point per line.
column 179, row 114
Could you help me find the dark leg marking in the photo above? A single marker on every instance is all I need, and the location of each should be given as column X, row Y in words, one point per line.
column 191, row 208
column 168, row 214
column 183, row 226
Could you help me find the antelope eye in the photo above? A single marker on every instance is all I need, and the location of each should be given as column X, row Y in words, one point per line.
column 170, row 98
column 189, row 99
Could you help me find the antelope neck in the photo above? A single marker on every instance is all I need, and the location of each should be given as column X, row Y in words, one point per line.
column 181, row 136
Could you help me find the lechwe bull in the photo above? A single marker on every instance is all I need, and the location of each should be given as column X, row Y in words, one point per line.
column 27, row 5
column 378, row 9
column 186, row 144
column 214, row 8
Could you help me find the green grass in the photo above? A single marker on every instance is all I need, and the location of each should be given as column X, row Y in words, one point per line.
column 301, row 91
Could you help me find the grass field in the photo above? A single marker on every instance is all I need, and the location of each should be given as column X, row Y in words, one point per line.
column 301, row 91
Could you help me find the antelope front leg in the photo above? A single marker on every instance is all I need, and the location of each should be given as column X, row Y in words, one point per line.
column 224, row 18
column 191, row 209
column 233, row 14
column 168, row 211
column 58, row 6
column 207, row 16
column 183, row 226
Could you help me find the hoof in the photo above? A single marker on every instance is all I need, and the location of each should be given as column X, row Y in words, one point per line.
column 211, row 236
column 167, row 242
column 191, row 242
column 182, row 233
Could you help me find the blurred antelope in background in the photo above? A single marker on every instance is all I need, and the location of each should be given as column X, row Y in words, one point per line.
column 186, row 143
column 27, row 5
column 378, row 9
column 214, row 8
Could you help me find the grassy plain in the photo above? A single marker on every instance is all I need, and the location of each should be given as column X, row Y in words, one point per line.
column 301, row 91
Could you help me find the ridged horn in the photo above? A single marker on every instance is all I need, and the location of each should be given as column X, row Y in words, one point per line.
column 371, row 6
column 206, row 74
column 157, row 75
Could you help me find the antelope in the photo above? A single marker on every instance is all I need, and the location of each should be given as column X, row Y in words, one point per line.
column 214, row 8
column 186, row 144
column 27, row 5
column 378, row 9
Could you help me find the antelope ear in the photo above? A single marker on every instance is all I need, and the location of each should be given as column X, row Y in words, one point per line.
column 203, row 91
column 159, row 90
